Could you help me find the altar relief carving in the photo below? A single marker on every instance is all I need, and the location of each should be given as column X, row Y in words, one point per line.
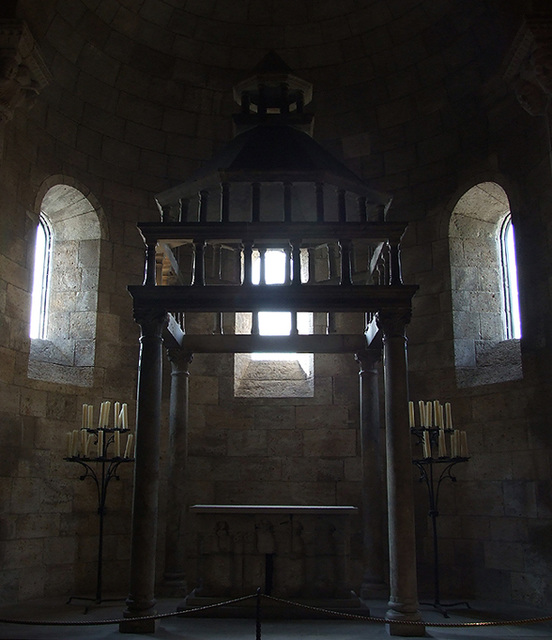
column 288, row 554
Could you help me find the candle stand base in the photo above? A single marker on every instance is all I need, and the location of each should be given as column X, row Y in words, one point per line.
column 101, row 470
column 433, row 479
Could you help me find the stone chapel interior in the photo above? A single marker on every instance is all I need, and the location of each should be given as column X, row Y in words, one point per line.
column 236, row 241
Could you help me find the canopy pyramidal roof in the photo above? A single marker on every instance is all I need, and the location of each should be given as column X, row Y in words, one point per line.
column 273, row 141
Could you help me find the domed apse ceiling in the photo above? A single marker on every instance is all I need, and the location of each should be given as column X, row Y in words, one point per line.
column 168, row 66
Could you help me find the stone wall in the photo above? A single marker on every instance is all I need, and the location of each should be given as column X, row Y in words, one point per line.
column 413, row 99
column 297, row 451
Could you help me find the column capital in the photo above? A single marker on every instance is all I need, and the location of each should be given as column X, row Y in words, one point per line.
column 393, row 322
column 152, row 321
column 368, row 359
column 179, row 358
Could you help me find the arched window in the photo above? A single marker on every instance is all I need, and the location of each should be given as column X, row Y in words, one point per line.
column 483, row 288
column 65, row 290
column 41, row 279
column 509, row 278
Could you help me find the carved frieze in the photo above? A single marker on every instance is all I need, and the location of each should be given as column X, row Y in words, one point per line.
column 23, row 72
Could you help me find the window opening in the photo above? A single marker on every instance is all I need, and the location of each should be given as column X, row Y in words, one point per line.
column 272, row 266
column 41, row 279
column 485, row 311
column 64, row 305
column 277, row 375
column 509, row 271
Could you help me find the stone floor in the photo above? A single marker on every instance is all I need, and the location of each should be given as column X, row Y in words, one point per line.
column 172, row 627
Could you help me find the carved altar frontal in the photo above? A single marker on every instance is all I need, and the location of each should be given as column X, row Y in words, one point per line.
column 296, row 552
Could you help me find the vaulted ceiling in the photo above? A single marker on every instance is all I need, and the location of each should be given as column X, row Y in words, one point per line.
column 159, row 73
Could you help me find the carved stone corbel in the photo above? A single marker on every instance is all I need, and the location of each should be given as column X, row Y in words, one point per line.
column 531, row 96
column 528, row 64
column 23, row 72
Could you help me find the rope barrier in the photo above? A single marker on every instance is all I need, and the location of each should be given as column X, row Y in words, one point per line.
column 355, row 616
column 258, row 596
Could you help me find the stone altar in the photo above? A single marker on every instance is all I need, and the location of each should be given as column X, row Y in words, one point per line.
column 296, row 552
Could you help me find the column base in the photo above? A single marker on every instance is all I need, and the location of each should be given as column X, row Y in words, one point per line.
column 138, row 617
column 405, row 630
column 398, row 623
column 137, row 625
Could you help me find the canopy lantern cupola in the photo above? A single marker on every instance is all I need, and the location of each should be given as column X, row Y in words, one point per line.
column 271, row 187
column 273, row 170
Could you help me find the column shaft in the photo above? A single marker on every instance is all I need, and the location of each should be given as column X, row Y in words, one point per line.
column 175, row 551
column 141, row 600
column 403, row 599
column 373, row 582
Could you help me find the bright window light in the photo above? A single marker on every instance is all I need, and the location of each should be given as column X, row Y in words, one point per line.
column 513, row 320
column 275, row 267
column 276, row 323
column 41, row 272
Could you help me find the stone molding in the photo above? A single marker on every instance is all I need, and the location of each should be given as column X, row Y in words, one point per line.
column 23, row 72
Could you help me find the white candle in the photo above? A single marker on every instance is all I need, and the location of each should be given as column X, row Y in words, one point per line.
column 117, row 415
column 426, row 445
column 442, row 443
column 106, row 413
column 429, row 416
column 84, row 416
column 87, row 444
column 421, row 406
column 448, row 415
column 454, row 444
column 129, row 446
column 436, row 413
column 411, row 415
column 83, row 438
column 124, row 421
column 100, row 417
column 100, row 443
column 90, row 416
column 117, row 438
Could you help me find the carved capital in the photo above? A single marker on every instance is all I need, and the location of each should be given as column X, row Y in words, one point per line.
column 151, row 321
column 23, row 72
column 180, row 359
column 393, row 322
column 531, row 96
column 528, row 64
column 541, row 64
column 368, row 359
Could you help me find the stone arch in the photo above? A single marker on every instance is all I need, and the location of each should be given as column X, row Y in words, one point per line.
column 67, row 354
column 482, row 353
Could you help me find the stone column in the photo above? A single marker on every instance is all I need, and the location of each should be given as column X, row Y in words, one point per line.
column 141, row 601
column 373, row 583
column 403, row 599
column 175, row 557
